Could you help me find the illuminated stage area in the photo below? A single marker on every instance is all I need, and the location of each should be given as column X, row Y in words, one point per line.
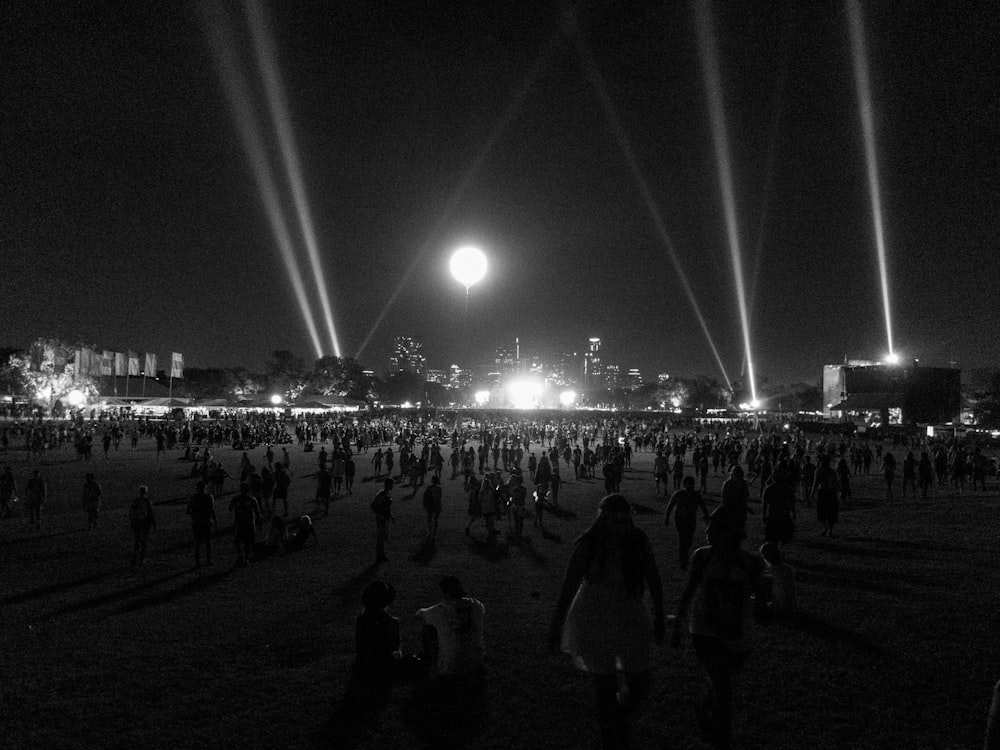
column 900, row 393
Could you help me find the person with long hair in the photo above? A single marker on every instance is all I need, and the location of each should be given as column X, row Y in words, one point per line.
column 601, row 618
column 722, row 578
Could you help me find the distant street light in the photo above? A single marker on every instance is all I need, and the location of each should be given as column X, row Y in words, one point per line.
column 275, row 399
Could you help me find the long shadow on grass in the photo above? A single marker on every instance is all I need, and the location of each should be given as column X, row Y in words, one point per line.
column 493, row 551
column 840, row 576
column 424, row 553
column 125, row 593
column 903, row 544
column 560, row 512
column 527, row 549
column 550, row 536
column 189, row 587
column 172, row 501
column 40, row 539
column 904, row 552
column 644, row 510
column 807, row 623
column 55, row 588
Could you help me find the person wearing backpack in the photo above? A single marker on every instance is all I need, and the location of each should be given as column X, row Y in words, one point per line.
column 142, row 521
column 718, row 599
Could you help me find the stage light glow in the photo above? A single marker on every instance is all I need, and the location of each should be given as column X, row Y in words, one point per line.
column 754, row 404
column 567, row 398
column 234, row 84
column 892, row 359
column 614, row 121
column 863, row 86
column 275, row 399
column 468, row 265
column 482, row 397
column 75, row 397
column 278, row 106
column 675, row 402
column 463, row 185
column 524, row 393
column 713, row 87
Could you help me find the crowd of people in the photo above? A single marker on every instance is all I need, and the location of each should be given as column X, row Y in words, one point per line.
column 511, row 470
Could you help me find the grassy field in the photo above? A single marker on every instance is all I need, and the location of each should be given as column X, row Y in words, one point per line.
column 895, row 645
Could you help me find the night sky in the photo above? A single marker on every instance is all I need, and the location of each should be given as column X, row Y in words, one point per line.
column 131, row 218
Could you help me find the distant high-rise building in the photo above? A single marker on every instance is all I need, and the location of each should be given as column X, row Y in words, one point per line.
column 634, row 379
column 458, row 377
column 592, row 372
column 662, row 378
column 566, row 370
column 406, row 356
column 505, row 361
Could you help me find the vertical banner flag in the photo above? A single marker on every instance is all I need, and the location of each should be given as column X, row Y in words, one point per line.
column 107, row 363
column 83, row 362
column 133, row 362
column 59, row 360
column 121, row 364
column 150, row 365
column 95, row 363
column 176, row 365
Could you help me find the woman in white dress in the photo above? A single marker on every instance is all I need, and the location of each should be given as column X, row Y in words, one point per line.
column 602, row 619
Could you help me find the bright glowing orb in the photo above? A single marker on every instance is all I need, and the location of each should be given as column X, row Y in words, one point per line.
column 675, row 402
column 468, row 265
column 75, row 397
column 482, row 397
column 755, row 404
column 275, row 399
column 892, row 359
column 567, row 398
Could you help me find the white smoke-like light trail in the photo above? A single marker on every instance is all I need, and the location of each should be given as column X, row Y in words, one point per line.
column 222, row 44
column 597, row 82
column 277, row 105
column 863, row 86
column 713, row 88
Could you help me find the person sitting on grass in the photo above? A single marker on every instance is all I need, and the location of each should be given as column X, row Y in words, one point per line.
column 305, row 531
column 452, row 632
column 376, row 636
